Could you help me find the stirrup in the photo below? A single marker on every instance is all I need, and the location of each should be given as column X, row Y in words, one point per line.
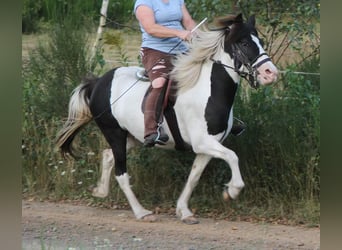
column 160, row 137
column 239, row 128
column 142, row 75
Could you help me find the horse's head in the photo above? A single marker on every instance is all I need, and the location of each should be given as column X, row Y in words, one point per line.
column 244, row 46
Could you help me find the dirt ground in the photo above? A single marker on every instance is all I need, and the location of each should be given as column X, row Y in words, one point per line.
column 47, row 225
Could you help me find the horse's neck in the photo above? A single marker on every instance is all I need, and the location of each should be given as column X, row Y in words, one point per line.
column 227, row 61
column 202, row 89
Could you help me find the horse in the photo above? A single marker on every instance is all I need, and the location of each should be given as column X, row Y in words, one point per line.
column 207, row 78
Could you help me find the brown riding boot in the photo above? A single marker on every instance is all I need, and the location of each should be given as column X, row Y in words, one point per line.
column 153, row 112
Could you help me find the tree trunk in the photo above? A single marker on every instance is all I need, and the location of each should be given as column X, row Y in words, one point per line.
column 100, row 28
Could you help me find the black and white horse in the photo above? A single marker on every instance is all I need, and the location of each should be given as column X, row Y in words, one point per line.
column 207, row 78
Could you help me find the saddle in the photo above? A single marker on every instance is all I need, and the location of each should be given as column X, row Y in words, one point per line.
column 168, row 101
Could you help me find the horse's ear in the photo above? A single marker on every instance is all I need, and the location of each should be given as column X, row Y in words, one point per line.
column 227, row 21
column 235, row 29
column 224, row 21
column 251, row 20
column 238, row 18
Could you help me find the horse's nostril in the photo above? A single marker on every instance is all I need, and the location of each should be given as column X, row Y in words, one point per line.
column 268, row 71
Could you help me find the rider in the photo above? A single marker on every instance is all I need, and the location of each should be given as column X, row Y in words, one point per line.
column 165, row 25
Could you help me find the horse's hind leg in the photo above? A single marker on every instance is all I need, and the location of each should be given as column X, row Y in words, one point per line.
column 183, row 210
column 122, row 178
column 139, row 211
column 102, row 188
column 118, row 140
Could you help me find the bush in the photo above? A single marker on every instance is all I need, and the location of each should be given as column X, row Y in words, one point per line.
column 120, row 13
column 52, row 72
column 279, row 153
column 31, row 15
column 37, row 13
column 55, row 68
column 200, row 9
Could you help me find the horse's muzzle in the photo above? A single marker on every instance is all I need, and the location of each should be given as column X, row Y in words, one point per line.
column 267, row 73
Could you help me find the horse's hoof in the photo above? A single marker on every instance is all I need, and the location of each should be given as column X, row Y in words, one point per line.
column 225, row 195
column 191, row 220
column 149, row 218
column 96, row 193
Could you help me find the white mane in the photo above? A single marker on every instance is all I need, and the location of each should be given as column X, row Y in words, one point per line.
column 187, row 67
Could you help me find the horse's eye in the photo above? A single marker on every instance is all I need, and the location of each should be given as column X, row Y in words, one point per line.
column 245, row 44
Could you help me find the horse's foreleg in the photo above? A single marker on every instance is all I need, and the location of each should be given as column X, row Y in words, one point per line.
column 102, row 188
column 236, row 184
column 217, row 150
column 198, row 166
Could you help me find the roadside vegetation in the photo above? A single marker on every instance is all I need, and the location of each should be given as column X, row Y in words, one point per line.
column 279, row 153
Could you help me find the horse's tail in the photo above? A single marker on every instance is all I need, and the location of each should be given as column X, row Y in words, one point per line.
column 79, row 115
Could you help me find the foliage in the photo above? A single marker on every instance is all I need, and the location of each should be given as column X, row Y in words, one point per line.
column 283, row 25
column 116, row 41
column 119, row 13
column 76, row 11
column 279, row 154
column 287, row 25
column 30, row 15
column 44, row 172
column 55, row 67
column 200, row 9
column 37, row 12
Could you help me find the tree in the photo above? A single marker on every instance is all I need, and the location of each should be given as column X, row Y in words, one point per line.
column 102, row 23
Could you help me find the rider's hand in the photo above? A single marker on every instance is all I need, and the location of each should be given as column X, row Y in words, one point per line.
column 185, row 35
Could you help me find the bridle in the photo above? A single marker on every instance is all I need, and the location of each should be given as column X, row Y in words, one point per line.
column 239, row 58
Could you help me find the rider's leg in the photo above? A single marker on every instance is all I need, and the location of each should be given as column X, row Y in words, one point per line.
column 158, row 65
column 153, row 114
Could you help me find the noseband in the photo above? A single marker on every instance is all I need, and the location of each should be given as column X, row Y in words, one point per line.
column 252, row 66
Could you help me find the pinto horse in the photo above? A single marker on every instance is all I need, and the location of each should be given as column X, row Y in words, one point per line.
column 207, row 78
